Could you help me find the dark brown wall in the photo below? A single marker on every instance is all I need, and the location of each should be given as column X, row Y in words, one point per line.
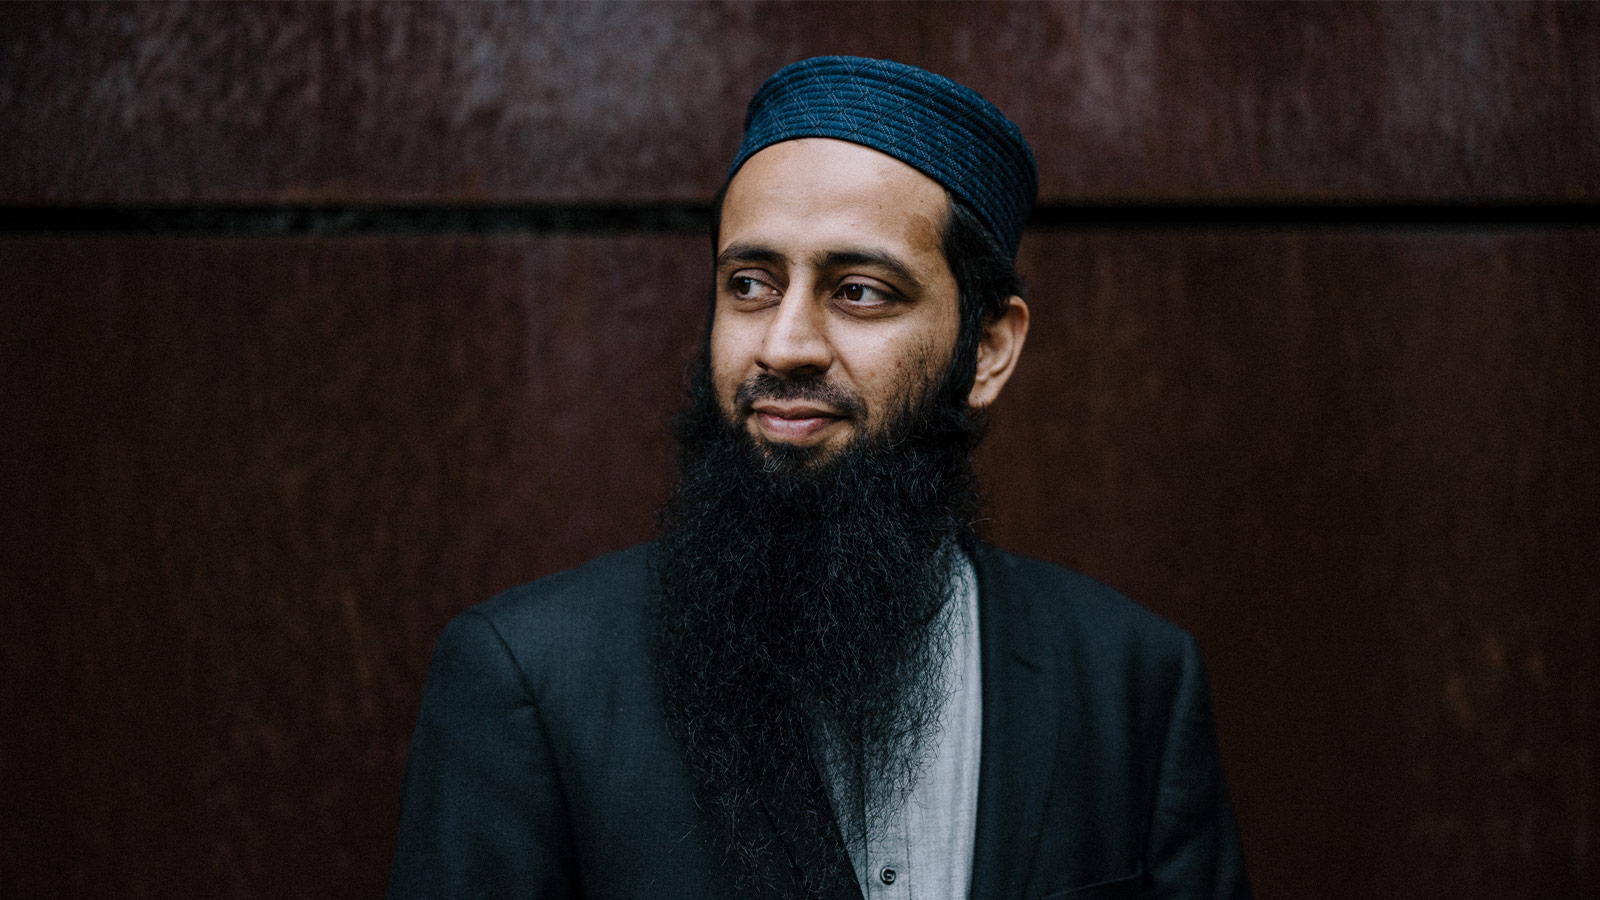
column 1290, row 382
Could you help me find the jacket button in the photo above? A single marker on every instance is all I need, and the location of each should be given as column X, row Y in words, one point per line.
column 887, row 875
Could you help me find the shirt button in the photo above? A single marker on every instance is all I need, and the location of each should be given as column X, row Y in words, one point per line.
column 887, row 875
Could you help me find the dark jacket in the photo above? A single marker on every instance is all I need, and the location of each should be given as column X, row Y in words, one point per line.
column 541, row 764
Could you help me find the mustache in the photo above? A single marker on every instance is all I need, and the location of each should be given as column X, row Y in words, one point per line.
column 818, row 390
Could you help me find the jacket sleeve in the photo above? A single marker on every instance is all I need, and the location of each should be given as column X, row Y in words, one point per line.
column 1193, row 849
column 481, row 812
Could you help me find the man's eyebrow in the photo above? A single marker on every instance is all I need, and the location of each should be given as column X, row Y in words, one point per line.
column 879, row 259
column 748, row 253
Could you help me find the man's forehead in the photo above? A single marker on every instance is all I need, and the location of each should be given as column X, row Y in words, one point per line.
column 816, row 198
column 820, row 166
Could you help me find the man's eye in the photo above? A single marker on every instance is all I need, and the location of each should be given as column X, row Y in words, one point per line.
column 746, row 287
column 859, row 294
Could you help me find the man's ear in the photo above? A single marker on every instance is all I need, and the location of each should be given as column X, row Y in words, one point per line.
column 998, row 350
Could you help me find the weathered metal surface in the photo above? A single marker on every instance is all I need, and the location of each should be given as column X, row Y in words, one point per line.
column 625, row 102
column 253, row 477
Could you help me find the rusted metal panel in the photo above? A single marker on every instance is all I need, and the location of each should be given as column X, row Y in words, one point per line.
column 641, row 102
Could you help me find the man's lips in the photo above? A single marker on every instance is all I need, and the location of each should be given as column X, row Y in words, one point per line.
column 793, row 422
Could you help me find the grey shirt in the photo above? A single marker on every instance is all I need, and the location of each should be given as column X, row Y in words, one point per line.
column 925, row 852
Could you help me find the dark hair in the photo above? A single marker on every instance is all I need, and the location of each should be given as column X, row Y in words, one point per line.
column 986, row 280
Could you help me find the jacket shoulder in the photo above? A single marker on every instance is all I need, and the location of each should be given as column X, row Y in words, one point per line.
column 581, row 615
column 624, row 573
column 1058, row 601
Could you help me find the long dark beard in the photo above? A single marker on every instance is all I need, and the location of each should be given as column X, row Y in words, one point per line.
column 801, row 626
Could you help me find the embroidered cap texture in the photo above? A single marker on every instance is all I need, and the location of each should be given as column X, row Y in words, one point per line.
column 943, row 129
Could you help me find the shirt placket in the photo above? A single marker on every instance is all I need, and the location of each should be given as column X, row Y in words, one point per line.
column 888, row 865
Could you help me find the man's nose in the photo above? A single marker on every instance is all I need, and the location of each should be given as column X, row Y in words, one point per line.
column 796, row 340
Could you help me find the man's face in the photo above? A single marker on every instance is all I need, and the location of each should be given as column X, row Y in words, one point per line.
column 834, row 302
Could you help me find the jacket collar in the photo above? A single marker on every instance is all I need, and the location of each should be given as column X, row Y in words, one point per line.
column 1019, row 732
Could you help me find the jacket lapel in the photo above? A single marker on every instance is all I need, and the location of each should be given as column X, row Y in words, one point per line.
column 1020, row 722
column 833, row 861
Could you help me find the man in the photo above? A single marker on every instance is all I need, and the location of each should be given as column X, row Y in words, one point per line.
column 818, row 682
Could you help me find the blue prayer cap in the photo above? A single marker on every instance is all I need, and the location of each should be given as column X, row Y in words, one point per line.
column 944, row 130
